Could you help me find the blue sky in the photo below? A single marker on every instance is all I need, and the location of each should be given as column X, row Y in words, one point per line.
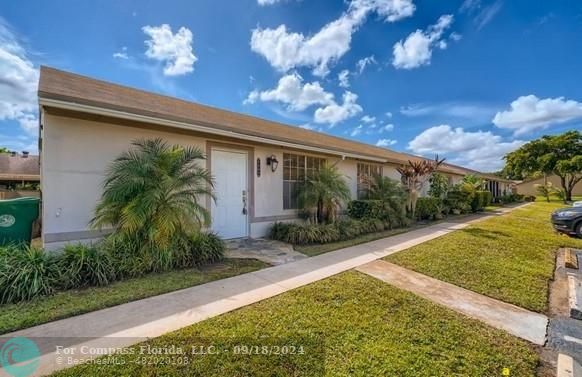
column 468, row 79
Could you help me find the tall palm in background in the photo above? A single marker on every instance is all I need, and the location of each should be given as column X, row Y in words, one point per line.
column 153, row 192
column 323, row 193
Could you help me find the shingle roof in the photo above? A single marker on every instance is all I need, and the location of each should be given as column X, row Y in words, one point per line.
column 64, row 86
column 18, row 167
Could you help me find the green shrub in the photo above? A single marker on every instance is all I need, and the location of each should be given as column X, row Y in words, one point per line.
column 365, row 209
column 84, row 265
column 459, row 198
column 127, row 256
column 304, row 234
column 480, row 200
column 27, row 273
column 206, row 248
column 530, row 198
column 427, row 208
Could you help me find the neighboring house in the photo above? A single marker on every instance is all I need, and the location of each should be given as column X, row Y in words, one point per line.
column 19, row 175
column 257, row 164
column 497, row 186
column 528, row 187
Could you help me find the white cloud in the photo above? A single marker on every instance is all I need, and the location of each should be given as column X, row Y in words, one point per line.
column 121, row 54
column 476, row 112
column 364, row 62
column 530, row 113
column 387, row 128
column 267, row 2
column 455, row 36
column 286, row 50
column 336, row 113
column 385, row 143
column 344, row 78
column 416, row 50
column 173, row 49
column 488, row 14
column 356, row 131
column 368, row 119
column 480, row 150
column 18, row 83
column 388, row 114
column 294, row 93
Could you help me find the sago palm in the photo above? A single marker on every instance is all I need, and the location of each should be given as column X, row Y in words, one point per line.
column 324, row 192
column 154, row 192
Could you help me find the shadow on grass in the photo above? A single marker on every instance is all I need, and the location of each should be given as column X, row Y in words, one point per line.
column 491, row 234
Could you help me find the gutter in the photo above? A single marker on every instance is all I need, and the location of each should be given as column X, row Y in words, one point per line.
column 66, row 105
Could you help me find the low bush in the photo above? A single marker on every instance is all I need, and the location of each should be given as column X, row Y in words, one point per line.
column 206, row 248
column 428, row 208
column 480, row 200
column 86, row 265
column 305, row 234
column 530, row 198
column 459, row 199
column 365, row 209
column 27, row 273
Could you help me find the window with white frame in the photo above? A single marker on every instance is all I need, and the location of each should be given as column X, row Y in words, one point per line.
column 366, row 172
column 295, row 168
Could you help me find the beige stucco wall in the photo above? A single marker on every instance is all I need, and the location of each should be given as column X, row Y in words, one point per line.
column 74, row 157
column 528, row 188
column 76, row 153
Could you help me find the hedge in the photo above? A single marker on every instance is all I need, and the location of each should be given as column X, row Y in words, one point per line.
column 427, row 208
column 304, row 234
column 365, row 209
column 29, row 272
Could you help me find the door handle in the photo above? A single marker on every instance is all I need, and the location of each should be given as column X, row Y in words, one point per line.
column 244, row 201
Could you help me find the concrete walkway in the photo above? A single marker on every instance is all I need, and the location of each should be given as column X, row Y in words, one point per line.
column 513, row 319
column 268, row 251
column 133, row 322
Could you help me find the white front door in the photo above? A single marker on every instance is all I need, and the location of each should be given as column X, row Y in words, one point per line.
column 229, row 211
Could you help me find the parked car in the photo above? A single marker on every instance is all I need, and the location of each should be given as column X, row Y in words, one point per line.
column 568, row 220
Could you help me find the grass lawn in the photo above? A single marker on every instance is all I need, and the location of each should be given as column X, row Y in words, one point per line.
column 74, row 302
column 351, row 325
column 510, row 258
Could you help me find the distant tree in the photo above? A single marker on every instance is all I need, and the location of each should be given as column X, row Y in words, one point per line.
column 414, row 176
column 560, row 155
column 476, row 183
column 4, row 150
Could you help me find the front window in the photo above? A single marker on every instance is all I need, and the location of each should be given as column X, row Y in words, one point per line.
column 365, row 173
column 295, row 168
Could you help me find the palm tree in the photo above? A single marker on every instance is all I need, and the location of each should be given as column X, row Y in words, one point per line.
column 389, row 191
column 152, row 193
column 415, row 175
column 323, row 192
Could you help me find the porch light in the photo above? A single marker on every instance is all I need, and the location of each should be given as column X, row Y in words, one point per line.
column 272, row 162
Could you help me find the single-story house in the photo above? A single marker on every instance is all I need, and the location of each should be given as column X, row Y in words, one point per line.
column 86, row 123
column 19, row 175
column 528, row 186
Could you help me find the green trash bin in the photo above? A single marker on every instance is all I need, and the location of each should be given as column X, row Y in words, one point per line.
column 16, row 219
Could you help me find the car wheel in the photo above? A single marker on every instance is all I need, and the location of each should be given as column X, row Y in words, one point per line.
column 579, row 229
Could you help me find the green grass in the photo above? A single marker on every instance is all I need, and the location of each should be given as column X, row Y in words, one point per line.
column 351, row 325
column 70, row 303
column 510, row 258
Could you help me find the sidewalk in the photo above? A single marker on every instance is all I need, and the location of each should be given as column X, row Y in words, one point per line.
column 520, row 322
column 127, row 324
